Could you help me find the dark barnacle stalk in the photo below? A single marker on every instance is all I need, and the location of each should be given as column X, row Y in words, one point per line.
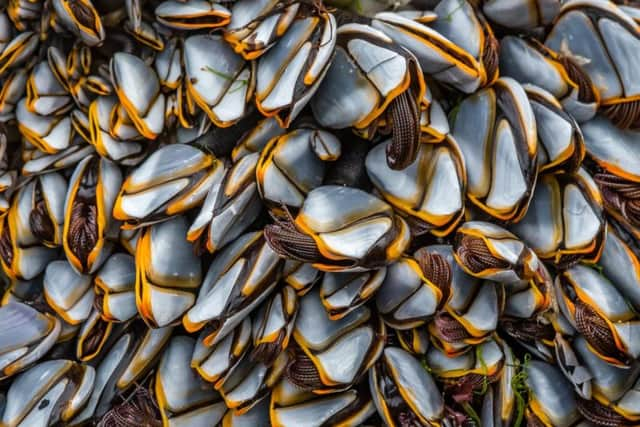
column 601, row 415
column 405, row 119
column 475, row 254
column 527, row 330
column 436, row 269
column 301, row 370
column 82, row 13
column 586, row 90
column 596, row 330
column 625, row 115
column 6, row 247
column 83, row 221
column 621, row 195
column 286, row 240
column 39, row 220
column 450, row 329
column 268, row 353
column 139, row 409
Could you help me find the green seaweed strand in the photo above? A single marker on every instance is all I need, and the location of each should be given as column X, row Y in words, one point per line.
column 485, row 372
column 225, row 76
column 520, row 389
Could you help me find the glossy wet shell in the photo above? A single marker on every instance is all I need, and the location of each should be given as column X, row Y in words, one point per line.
column 496, row 132
column 304, row 214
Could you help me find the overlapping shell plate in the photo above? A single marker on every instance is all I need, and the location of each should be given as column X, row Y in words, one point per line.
column 319, row 213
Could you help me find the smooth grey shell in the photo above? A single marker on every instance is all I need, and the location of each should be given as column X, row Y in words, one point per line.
column 522, row 14
column 291, row 407
column 565, row 216
column 25, row 336
column 170, row 276
column 495, row 129
column 220, row 81
column 247, row 268
column 345, row 348
column 295, row 164
column 360, row 78
column 138, row 89
column 524, row 63
column 414, row 384
column 290, row 73
column 93, row 38
column 49, row 392
column 431, row 190
column 69, row 293
column 186, row 396
column 552, row 392
column 603, row 35
column 404, row 300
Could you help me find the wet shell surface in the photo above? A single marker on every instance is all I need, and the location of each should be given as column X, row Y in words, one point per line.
column 315, row 213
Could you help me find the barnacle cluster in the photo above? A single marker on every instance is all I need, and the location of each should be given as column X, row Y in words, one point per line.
column 305, row 213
